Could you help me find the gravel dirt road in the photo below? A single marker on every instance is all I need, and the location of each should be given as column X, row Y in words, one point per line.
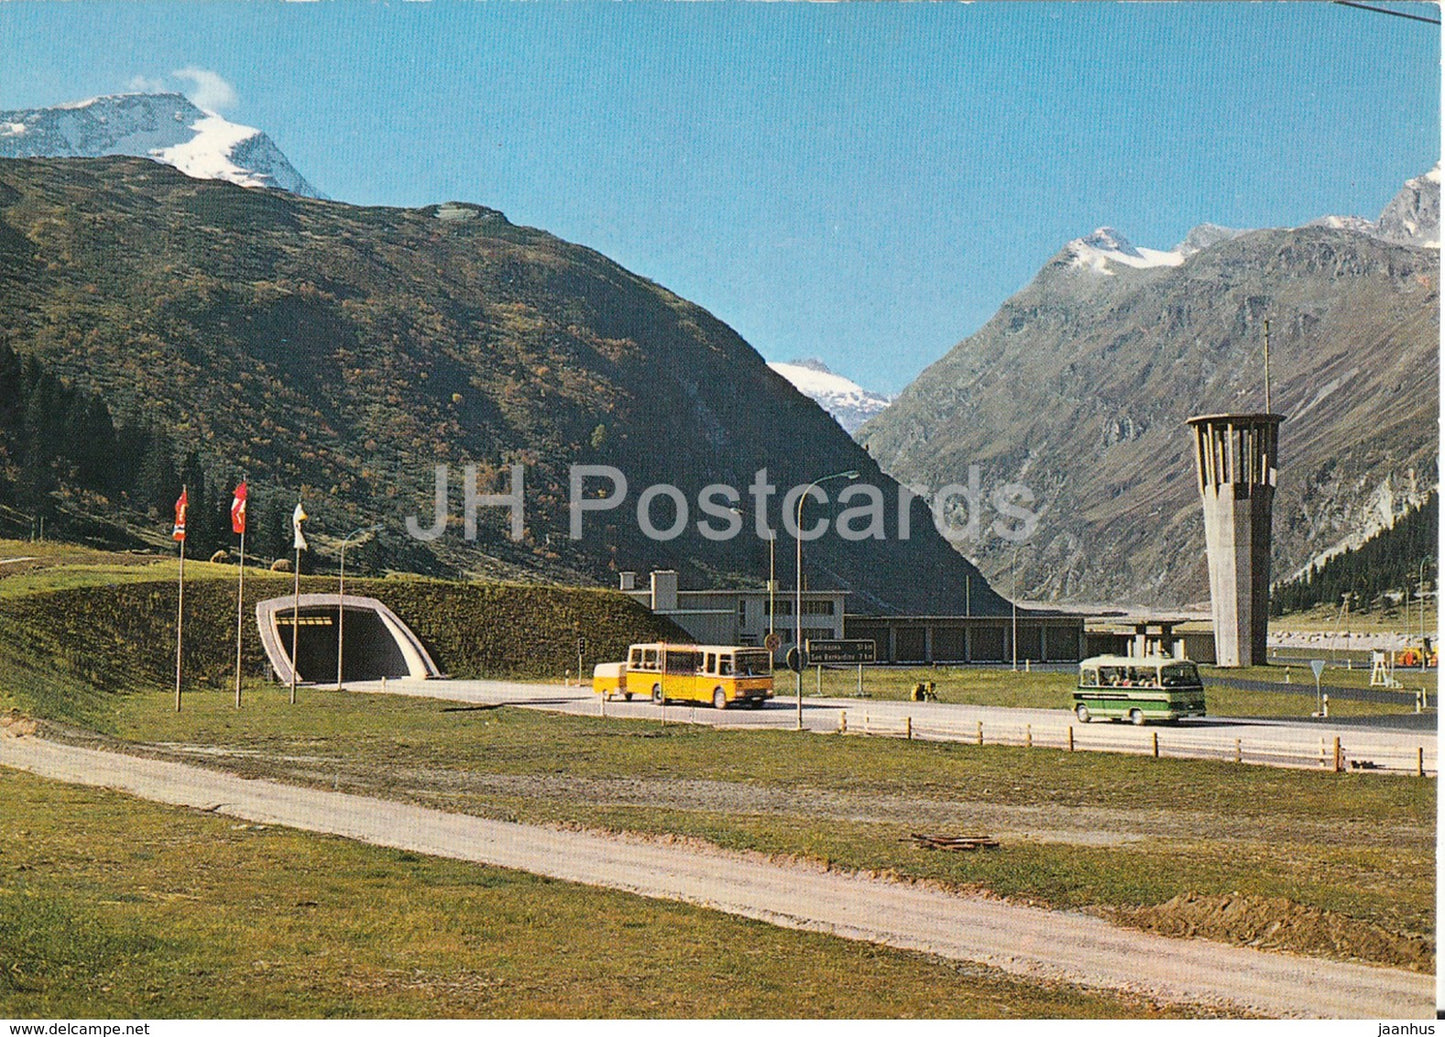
column 1018, row 939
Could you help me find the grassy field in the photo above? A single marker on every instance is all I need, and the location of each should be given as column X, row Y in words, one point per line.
column 115, row 908
column 1338, row 865
column 1384, row 620
column 1095, row 831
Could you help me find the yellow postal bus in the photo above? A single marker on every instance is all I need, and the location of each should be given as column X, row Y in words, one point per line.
column 720, row 674
column 1123, row 687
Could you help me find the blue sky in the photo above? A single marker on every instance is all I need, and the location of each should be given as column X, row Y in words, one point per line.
column 864, row 183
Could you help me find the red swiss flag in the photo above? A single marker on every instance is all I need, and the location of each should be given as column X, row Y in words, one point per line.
column 238, row 510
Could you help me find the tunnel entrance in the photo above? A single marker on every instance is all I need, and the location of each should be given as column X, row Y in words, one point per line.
column 374, row 642
column 370, row 650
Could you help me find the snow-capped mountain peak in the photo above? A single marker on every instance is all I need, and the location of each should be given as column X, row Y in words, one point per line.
column 1106, row 245
column 164, row 127
column 1412, row 217
column 848, row 402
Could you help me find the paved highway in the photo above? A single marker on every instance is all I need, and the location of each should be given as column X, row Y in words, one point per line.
column 1379, row 744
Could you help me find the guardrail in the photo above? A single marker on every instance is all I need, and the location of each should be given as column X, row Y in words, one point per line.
column 1333, row 754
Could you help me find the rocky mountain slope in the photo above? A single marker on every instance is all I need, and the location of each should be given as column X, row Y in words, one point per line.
column 345, row 352
column 1078, row 390
column 849, row 403
column 164, row 127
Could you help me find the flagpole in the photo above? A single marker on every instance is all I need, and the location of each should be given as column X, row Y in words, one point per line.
column 180, row 613
column 295, row 623
column 238, row 525
column 240, row 591
column 297, row 517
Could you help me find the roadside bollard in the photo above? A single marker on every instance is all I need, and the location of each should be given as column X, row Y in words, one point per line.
column 1339, row 757
column 1419, row 761
column 980, row 732
column 908, row 728
column 1071, row 738
column 1156, row 745
column 842, row 721
column 1028, row 736
column 1238, row 752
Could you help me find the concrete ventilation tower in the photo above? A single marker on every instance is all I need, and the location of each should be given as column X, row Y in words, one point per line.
column 1237, row 456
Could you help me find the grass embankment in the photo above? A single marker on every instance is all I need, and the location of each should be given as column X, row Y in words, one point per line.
column 72, row 634
column 115, row 908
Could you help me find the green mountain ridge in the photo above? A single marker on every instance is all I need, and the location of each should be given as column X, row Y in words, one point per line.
column 342, row 352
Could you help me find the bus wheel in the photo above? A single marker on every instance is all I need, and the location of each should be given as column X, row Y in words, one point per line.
column 1136, row 717
column 657, row 698
column 627, row 696
column 1082, row 712
column 719, row 699
column 757, row 703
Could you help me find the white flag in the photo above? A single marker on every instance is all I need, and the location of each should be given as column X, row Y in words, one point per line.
column 296, row 519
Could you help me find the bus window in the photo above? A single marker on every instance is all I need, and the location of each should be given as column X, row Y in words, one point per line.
column 725, row 667
column 1180, row 675
column 634, row 659
column 711, row 665
column 649, row 658
column 753, row 664
column 1088, row 678
column 682, row 662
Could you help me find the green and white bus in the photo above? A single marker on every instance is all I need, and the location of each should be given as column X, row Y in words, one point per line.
column 1121, row 687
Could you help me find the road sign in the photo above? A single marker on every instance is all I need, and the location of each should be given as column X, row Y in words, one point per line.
column 1318, row 665
column 797, row 661
column 823, row 651
column 581, row 645
column 773, row 642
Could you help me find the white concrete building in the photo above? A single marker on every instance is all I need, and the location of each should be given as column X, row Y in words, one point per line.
column 741, row 616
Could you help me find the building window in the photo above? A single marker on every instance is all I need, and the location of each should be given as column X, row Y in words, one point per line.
column 811, row 607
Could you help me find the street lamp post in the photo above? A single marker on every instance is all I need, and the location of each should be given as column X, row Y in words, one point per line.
column 772, row 579
column 1016, row 610
column 772, row 590
column 1421, row 583
column 798, row 601
column 341, row 595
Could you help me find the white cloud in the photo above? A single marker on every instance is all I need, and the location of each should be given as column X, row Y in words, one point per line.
column 142, row 85
column 208, row 90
